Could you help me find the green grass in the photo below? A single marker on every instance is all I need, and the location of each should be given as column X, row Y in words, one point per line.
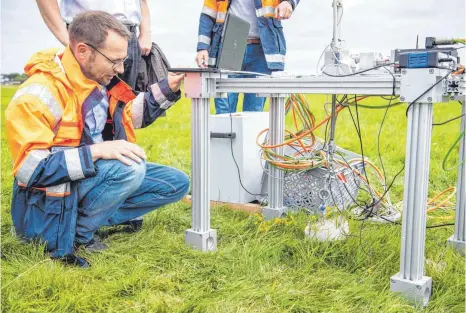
column 277, row 270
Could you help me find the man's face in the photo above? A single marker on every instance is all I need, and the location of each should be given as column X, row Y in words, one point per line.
column 102, row 64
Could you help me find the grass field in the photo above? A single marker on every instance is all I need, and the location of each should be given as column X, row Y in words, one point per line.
column 256, row 268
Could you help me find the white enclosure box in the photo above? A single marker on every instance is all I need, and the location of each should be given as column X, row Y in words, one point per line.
column 345, row 66
column 224, row 180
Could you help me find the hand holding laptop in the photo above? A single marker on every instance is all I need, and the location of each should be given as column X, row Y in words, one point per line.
column 174, row 80
column 231, row 49
column 202, row 58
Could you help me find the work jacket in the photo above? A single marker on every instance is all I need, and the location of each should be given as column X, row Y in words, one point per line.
column 50, row 142
column 270, row 30
column 153, row 68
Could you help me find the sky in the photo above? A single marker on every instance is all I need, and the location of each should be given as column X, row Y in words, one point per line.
column 367, row 26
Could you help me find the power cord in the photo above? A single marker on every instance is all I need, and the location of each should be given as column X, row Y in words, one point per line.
column 236, row 163
column 360, row 72
column 378, row 141
column 450, row 120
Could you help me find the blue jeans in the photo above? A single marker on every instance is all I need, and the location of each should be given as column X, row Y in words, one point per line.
column 119, row 193
column 254, row 61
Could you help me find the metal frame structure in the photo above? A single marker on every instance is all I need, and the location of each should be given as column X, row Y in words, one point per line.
column 410, row 281
column 275, row 207
column 200, row 235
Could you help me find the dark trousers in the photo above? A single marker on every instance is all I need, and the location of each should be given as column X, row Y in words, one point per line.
column 133, row 62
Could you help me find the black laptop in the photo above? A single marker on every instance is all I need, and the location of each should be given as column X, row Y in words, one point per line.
column 232, row 47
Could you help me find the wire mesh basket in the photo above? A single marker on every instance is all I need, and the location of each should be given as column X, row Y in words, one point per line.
column 314, row 189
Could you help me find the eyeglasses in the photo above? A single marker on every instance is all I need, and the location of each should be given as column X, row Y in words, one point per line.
column 114, row 62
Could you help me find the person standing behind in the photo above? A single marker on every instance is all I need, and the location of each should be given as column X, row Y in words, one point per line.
column 266, row 48
column 134, row 14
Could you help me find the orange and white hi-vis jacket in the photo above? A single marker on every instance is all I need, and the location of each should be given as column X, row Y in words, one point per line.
column 273, row 41
column 49, row 140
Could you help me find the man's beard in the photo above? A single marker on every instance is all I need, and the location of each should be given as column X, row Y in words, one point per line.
column 87, row 71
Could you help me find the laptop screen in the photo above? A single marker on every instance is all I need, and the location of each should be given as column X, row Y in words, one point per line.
column 233, row 45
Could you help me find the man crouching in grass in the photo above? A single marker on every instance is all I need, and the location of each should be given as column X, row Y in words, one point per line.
column 70, row 128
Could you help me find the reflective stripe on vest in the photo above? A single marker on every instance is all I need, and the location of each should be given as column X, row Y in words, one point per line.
column 58, row 190
column 41, row 91
column 54, row 191
column 212, row 61
column 160, row 97
column 73, row 164
column 265, row 11
column 221, row 16
column 210, row 12
column 204, row 39
column 275, row 58
column 138, row 110
column 30, row 164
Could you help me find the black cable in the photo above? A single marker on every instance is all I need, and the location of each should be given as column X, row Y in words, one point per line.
column 360, row 72
column 344, row 233
column 378, row 142
column 374, row 203
column 394, row 81
column 360, row 140
column 429, row 89
column 236, row 163
column 379, row 216
column 448, row 121
column 378, row 107
column 389, row 187
column 353, row 174
column 440, row 225
column 380, row 157
column 358, row 132
column 370, row 207
column 392, row 98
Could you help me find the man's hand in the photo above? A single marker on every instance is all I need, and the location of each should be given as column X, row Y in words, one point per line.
column 283, row 11
column 118, row 150
column 202, row 57
column 174, row 80
column 145, row 43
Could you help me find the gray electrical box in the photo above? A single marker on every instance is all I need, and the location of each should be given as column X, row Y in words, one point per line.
column 238, row 134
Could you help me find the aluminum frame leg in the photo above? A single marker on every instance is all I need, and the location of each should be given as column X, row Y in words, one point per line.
column 410, row 280
column 275, row 208
column 200, row 236
column 459, row 236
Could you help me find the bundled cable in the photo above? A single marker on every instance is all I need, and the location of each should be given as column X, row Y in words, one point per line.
column 304, row 152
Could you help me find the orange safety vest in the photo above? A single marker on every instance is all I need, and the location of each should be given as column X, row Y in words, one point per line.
column 50, row 141
column 51, row 103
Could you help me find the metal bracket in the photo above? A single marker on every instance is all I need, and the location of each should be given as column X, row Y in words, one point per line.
column 416, row 81
column 202, row 85
column 417, row 292
column 272, row 213
column 204, row 241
